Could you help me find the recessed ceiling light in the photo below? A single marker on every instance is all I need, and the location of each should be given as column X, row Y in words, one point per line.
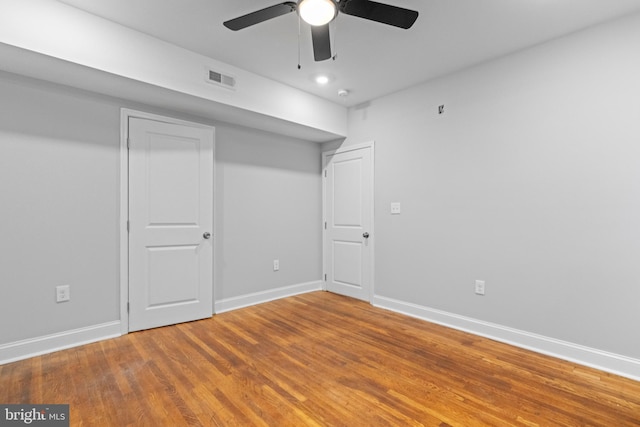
column 322, row 79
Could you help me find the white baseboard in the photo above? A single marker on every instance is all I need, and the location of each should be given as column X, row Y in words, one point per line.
column 234, row 303
column 24, row 349
column 575, row 353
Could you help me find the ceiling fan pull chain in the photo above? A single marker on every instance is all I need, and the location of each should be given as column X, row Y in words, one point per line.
column 334, row 43
column 299, row 66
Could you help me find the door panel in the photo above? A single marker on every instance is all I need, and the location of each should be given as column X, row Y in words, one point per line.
column 348, row 215
column 170, row 210
column 174, row 178
column 347, row 193
column 347, row 263
column 168, row 265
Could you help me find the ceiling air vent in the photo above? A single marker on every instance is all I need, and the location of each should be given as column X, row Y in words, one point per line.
column 220, row 79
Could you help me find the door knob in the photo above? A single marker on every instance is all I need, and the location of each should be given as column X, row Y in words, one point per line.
column 365, row 235
column 207, row 235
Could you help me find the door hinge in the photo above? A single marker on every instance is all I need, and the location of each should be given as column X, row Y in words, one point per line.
column 325, row 225
column 128, row 226
column 325, row 173
column 127, row 307
column 325, row 277
column 128, row 143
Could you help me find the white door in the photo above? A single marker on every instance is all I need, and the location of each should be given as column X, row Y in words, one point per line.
column 171, row 218
column 348, row 236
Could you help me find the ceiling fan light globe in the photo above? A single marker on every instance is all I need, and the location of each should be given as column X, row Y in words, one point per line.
column 317, row 12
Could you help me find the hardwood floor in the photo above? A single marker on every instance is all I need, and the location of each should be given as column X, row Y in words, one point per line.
column 317, row 360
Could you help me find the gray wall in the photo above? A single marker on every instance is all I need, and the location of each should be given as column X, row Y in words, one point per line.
column 59, row 210
column 529, row 181
column 269, row 206
column 59, row 214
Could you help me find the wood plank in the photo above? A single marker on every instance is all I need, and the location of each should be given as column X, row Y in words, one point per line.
column 317, row 359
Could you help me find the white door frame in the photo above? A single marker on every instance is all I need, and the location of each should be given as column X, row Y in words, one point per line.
column 125, row 114
column 326, row 155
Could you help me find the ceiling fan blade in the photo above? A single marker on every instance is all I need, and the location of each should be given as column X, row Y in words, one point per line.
column 260, row 16
column 379, row 12
column 321, row 42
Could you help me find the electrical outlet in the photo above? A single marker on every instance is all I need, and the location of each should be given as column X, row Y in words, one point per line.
column 276, row 264
column 479, row 287
column 63, row 293
column 395, row 208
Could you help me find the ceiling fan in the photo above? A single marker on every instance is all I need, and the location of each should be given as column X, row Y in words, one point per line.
column 319, row 13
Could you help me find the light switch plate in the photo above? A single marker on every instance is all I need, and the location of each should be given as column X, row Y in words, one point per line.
column 395, row 208
column 479, row 287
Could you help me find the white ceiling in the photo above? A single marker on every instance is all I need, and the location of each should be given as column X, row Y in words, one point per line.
column 372, row 59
